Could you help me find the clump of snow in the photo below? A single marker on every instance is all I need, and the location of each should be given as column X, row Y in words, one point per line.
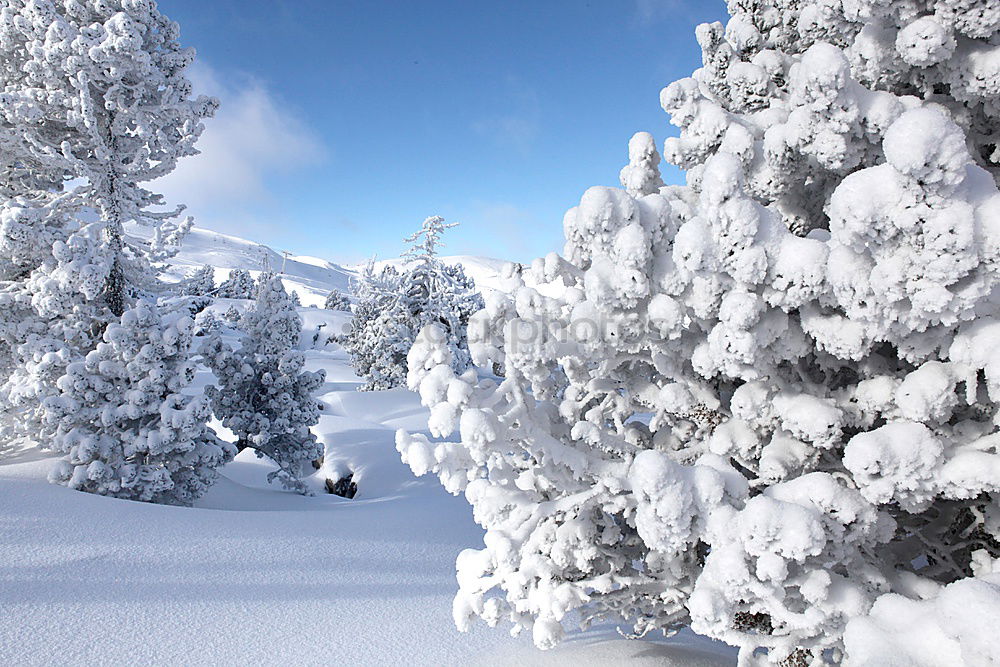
column 952, row 626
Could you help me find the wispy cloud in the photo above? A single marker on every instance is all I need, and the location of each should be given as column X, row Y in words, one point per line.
column 253, row 137
column 521, row 124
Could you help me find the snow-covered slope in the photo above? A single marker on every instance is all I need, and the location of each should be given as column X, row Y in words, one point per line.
column 311, row 277
column 256, row 575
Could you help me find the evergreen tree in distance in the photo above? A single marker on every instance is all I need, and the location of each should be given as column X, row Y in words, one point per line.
column 263, row 393
column 393, row 307
column 337, row 300
column 239, row 285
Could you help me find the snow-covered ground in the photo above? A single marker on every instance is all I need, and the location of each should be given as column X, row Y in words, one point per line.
column 255, row 575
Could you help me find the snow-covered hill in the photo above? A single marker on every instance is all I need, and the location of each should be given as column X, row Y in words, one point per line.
column 257, row 575
column 311, row 277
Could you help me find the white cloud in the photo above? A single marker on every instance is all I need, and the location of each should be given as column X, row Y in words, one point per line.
column 253, row 137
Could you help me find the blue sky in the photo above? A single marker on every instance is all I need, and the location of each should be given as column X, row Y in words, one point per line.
column 346, row 122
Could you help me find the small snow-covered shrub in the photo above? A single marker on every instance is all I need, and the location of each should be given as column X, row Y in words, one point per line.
column 239, row 285
column 337, row 300
column 263, row 394
column 123, row 421
column 767, row 399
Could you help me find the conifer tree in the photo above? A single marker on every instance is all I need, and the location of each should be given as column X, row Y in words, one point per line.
column 392, row 307
column 93, row 103
column 263, row 394
column 372, row 340
column 124, row 422
column 94, row 90
column 239, row 285
column 200, row 283
column 337, row 300
column 765, row 404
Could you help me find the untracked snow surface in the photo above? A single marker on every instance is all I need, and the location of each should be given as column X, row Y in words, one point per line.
column 256, row 575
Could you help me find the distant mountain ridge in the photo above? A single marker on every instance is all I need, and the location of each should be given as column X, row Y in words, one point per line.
column 311, row 277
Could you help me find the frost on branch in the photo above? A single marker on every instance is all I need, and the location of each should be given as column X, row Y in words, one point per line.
column 764, row 402
column 123, row 421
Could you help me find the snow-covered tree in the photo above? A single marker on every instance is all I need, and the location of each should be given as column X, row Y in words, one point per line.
column 233, row 315
column 200, row 283
column 375, row 340
column 392, row 307
column 124, row 422
column 766, row 401
column 337, row 300
column 94, row 90
column 93, row 102
column 426, row 241
column 239, row 285
column 439, row 293
column 263, row 394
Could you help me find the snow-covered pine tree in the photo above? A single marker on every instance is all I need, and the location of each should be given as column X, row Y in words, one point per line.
column 232, row 315
column 94, row 90
column 765, row 404
column 239, row 285
column 92, row 94
column 200, row 283
column 337, row 300
column 124, row 422
column 439, row 293
column 263, row 394
column 376, row 347
column 391, row 309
